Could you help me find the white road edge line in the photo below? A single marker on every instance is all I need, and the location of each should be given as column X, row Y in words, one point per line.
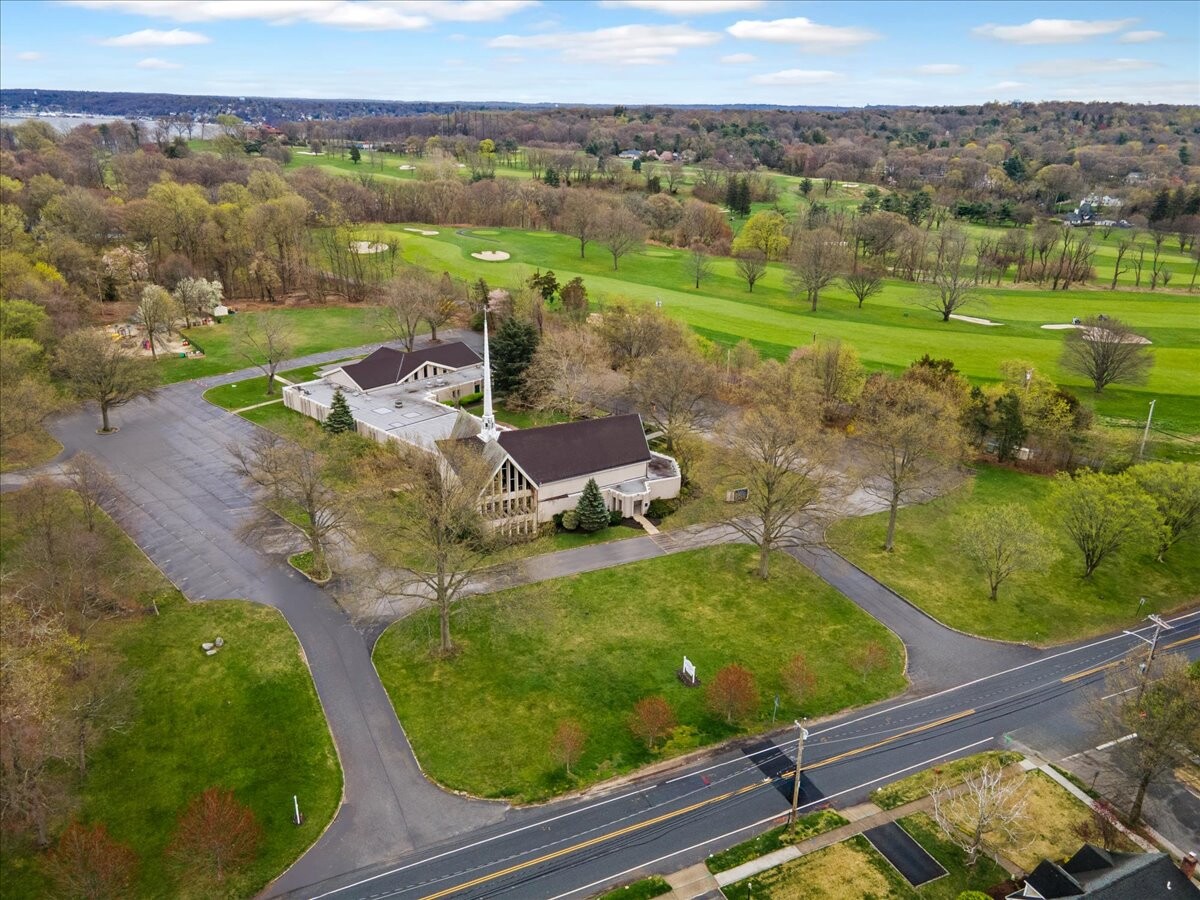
column 760, row 822
column 941, row 693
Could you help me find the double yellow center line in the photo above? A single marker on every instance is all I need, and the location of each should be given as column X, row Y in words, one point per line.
column 674, row 814
column 1116, row 662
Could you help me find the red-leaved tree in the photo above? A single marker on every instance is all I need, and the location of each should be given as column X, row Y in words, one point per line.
column 870, row 659
column 216, row 835
column 567, row 743
column 652, row 720
column 89, row 865
column 732, row 693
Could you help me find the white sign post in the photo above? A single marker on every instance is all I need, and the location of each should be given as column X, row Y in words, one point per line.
column 689, row 670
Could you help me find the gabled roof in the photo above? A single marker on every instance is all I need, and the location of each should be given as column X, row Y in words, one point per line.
column 1093, row 872
column 556, row 452
column 387, row 365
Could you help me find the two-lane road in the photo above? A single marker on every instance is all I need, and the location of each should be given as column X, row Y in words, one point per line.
column 574, row 849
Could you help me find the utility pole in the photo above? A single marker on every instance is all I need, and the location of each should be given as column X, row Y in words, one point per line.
column 1159, row 625
column 1146, row 433
column 799, row 772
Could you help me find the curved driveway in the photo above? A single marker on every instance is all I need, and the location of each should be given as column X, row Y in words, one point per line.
column 180, row 500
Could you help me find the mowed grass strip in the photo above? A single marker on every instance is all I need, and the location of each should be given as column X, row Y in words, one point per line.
column 1043, row 607
column 890, row 331
column 588, row 647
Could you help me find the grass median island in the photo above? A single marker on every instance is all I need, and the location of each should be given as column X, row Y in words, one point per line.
column 1044, row 607
column 588, row 647
column 808, row 826
column 246, row 719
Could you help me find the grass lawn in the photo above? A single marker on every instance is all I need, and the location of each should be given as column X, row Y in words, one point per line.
column 854, row 868
column 590, row 646
column 917, row 785
column 31, row 449
column 807, row 826
column 643, row 889
column 247, row 719
column 1040, row 607
column 518, row 418
column 890, row 331
column 313, row 330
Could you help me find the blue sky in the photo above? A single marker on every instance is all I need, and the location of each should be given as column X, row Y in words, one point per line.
column 611, row 51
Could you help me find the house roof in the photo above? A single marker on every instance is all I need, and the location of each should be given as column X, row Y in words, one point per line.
column 556, row 452
column 1093, row 872
column 387, row 365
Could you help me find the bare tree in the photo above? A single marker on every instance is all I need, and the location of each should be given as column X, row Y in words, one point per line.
column 953, row 281
column 986, row 803
column 780, row 455
column 440, row 528
column 446, row 305
column 265, row 340
column 570, row 373
column 1107, row 351
column 216, row 835
column 1004, row 540
column 405, row 304
column 295, row 482
column 798, row 678
column 621, row 232
column 635, row 333
column 673, row 390
column 98, row 369
column 568, row 743
column 817, row 258
column 908, row 436
column 836, row 372
column 581, row 218
column 751, row 265
column 1123, row 246
column 91, row 484
column 1162, row 712
column 699, row 263
column 864, row 282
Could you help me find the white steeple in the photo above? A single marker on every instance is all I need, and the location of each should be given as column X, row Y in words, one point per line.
column 488, row 433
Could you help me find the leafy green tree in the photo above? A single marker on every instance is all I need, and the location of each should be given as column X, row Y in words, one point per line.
column 97, row 368
column 977, row 415
column 512, row 351
column 1175, row 489
column 806, row 186
column 1014, row 168
column 545, row 284
column 340, row 419
column 593, row 514
column 1010, row 427
column 355, row 155
column 764, row 231
column 574, row 298
column 1004, row 540
column 1103, row 514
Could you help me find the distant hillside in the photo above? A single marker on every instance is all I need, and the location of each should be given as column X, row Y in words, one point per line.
column 278, row 109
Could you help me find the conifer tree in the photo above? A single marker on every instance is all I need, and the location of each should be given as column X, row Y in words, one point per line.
column 340, row 419
column 512, row 350
column 593, row 514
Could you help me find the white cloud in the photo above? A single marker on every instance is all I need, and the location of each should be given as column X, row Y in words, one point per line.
column 798, row 76
column 684, row 7
column 1140, row 37
column 1053, row 31
column 1090, row 69
column 738, row 59
column 29, row 56
column 1007, row 85
column 367, row 15
column 153, row 62
column 941, row 69
column 625, row 44
column 152, row 37
column 810, row 35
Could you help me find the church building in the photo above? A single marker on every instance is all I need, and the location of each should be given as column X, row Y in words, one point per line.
column 536, row 472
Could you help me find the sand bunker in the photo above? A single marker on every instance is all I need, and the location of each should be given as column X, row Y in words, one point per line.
column 367, row 247
column 406, row 168
column 1094, row 334
column 973, row 320
column 421, row 231
column 492, row 255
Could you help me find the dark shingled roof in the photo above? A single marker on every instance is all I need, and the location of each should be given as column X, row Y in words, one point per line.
column 554, row 452
column 388, row 365
column 1051, row 881
column 1093, row 872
